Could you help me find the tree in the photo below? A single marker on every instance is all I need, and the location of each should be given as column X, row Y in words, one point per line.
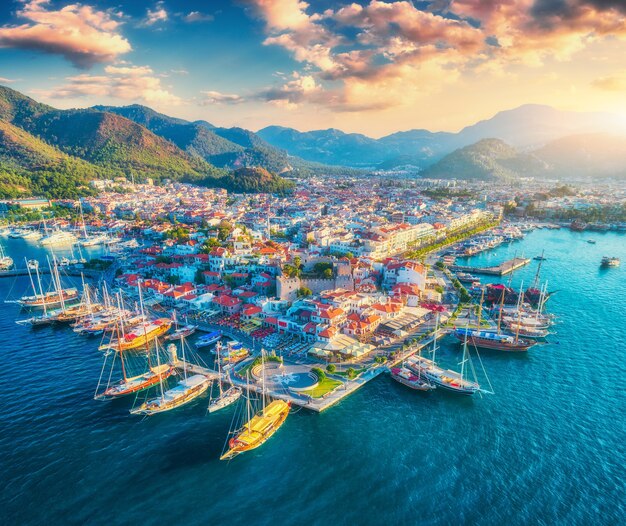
column 440, row 265
column 351, row 373
column 328, row 273
column 349, row 255
column 321, row 375
column 331, row 368
column 304, row 292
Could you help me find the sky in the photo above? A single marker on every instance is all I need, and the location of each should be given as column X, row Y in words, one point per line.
column 373, row 67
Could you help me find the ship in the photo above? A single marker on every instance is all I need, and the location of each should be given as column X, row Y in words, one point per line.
column 139, row 335
column 6, row 262
column 209, row 339
column 406, row 377
column 184, row 392
column 60, row 237
column 187, row 390
column 608, row 262
column 493, row 340
column 258, row 429
column 49, row 299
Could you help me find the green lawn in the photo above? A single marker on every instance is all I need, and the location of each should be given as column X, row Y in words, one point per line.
column 325, row 386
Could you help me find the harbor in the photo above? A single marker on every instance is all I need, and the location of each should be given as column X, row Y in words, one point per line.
column 370, row 401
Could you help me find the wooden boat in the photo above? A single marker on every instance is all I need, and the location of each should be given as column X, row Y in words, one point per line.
column 444, row 378
column 259, row 429
column 407, row 377
column 182, row 332
column 139, row 335
column 224, row 398
column 135, row 384
column 187, row 390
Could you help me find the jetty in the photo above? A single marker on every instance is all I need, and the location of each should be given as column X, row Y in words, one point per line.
column 498, row 270
column 301, row 399
column 67, row 270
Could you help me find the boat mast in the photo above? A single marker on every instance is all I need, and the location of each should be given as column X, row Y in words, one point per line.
column 536, row 282
column 519, row 311
column 248, row 399
column 464, row 359
column 480, row 307
column 501, row 309
column 121, row 337
column 218, row 347
column 435, row 338
column 182, row 346
column 156, row 348
column 30, row 276
column 263, row 379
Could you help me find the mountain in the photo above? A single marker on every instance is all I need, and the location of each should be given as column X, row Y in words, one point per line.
column 586, row 155
column 533, row 125
column 223, row 147
column 529, row 126
column 576, row 156
column 486, row 159
column 29, row 166
column 326, row 146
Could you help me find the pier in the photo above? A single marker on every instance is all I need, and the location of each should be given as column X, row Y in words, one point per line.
column 303, row 400
column 499, row 270
column 68, row 271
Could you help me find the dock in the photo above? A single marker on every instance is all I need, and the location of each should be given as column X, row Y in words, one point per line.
column 499, row 270
column 302, row 400
column 68, row 271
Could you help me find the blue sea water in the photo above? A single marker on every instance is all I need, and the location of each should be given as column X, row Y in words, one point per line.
column 548, row 448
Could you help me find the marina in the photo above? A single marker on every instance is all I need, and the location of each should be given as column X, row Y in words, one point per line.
column 385, row 400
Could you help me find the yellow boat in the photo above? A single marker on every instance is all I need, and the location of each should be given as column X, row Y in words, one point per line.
column 259, row 429
column 140, row 335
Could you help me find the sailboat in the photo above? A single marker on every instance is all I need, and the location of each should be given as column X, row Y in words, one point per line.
column 141, row 334
column 446, row 379
column 188, row 389
column 413, row 379
column 6, row 262
column 51, row 299
column 225, row 398
column 182, row 331
column 133, row 384
column 497, row 341
column 260, row 427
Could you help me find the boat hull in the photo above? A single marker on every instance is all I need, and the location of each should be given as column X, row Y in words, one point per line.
column 246, row 441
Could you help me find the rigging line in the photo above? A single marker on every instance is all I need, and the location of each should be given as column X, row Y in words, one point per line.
column 101, row 373
column 485, row 372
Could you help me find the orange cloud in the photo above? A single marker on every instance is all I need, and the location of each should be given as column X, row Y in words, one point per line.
column 80, row 33
column 132, row 83
column 388, row 53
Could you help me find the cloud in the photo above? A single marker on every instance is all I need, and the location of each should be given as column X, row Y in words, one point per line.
column 80, row 33
column 615, row 82
column 216, row 97
column 383, row 53
column 5, row 80
column 158, row 14
column 126, row 82
column 197, row 16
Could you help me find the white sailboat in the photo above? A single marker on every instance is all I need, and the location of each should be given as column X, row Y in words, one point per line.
column 225, row 398
column 187, row 390
column 6, row 262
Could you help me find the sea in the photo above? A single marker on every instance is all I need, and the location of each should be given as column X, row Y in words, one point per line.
column 548, row 447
